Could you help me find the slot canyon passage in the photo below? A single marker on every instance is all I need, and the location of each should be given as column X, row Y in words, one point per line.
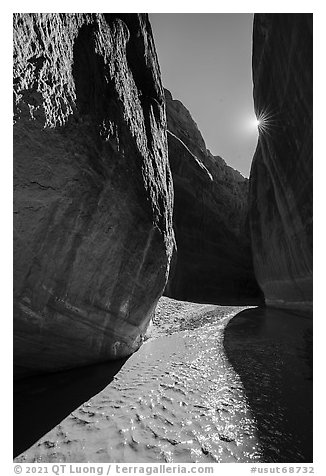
column 162, row 301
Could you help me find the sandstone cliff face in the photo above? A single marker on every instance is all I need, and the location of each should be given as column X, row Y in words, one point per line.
column 213, row 259
column 281, row 173
column 92, row 188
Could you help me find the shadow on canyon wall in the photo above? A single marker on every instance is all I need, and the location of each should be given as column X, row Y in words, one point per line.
column 271, row 350
column 41, row 402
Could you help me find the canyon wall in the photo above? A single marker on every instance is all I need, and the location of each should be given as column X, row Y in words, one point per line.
column 212, row 262
column 93, row 192
column 281, row 173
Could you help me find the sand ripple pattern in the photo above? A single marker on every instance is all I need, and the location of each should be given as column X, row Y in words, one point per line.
column 175, row 400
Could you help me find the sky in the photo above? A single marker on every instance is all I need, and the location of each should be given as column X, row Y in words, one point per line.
column 205, row 61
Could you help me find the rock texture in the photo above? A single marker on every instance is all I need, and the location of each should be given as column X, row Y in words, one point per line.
column 92, row 188
column 281, row 173
column 213, row 258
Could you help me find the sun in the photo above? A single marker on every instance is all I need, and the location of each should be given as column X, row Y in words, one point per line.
column 263, row 122
column 267, row 121
column 256, row 123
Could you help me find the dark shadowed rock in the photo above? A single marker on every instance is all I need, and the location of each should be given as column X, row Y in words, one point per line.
column 213, row 258
column 92, row 188
column 281, row 173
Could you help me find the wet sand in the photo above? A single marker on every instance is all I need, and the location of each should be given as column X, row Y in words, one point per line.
column 188, row 395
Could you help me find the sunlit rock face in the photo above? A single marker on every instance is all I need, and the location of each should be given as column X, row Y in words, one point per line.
column 92, row 188
column 213, row 258
column 281, row 173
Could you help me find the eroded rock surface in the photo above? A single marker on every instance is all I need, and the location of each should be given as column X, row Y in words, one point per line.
column 281, row 173
column 92, row 188
column 213, row 258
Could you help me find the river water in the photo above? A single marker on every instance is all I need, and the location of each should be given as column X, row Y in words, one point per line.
column 178, row 399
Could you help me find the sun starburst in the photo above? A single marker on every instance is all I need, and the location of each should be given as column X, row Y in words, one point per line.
column 266, row 121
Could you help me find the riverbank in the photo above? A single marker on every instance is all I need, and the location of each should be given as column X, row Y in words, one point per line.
column 180, row 398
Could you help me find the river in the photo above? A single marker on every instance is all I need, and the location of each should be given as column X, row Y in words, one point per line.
column 192, row 393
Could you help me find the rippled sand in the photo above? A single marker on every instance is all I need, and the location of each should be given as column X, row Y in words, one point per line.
column 178, row 399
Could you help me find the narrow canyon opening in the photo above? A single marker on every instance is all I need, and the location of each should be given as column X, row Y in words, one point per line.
column 162, row 294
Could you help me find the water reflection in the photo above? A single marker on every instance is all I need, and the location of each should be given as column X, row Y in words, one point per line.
column 271, row 351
